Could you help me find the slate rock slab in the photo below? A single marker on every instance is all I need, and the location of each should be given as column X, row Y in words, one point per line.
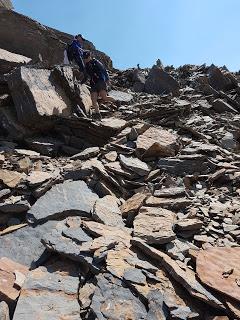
column 120, row 96
column 24, row 245
column 106, row 211
column 48, row 296
column 113, row 300
column 154, row 225
column 135, row 165
column 63, row 199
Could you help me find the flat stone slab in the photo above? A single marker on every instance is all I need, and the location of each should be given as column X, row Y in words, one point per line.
column 135, row 165
column 219, row 269
column 63, row 199
column 154, row 225
column 86, row 154
column 10, row 60
column 120, row 96
column 48, row 296
column 24, row 245
column 106, row 211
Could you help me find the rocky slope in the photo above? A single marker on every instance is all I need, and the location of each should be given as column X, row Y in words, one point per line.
column 135, row 216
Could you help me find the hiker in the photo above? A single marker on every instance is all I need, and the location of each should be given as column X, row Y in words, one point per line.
column 99, row 80
column 74, row 53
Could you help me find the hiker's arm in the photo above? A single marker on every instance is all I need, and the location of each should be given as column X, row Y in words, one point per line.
column 103, row 71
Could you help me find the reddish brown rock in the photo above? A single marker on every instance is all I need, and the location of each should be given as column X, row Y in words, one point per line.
column 133, row 204
column 219, row 269
column 10, row 272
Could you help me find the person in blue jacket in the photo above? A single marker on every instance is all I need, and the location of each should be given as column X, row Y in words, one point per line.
column 75, row 52
column 99, row 80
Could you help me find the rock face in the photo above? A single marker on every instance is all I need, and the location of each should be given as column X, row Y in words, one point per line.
column 9, row 61
column 6, row 4
column 159, row 82
column 37, row 94
column 157, row 143
column 66, row 198
column 47, row 42
column 154, row 225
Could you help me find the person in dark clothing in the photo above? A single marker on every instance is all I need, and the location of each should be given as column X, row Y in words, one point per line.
column 99, row 80
column 75, row 52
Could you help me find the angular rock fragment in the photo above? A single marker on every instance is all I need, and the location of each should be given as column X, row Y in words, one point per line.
column 106, row 211
column 154, row 225
column 188, row 224
column 120, row 96
column 135, row 165
column 14, row 205
column 133, row 204
column 11, row 178
column 178, row 249
column 220, row 106
column 220, row 81
column 63, row 199
column 160, row 82
column 38, row 177
column 86, row 154
column 49, row 295
column 113, row 300
column 9, row 292
column 9, row 61
column 157, row 143
column 219, row 269
column 170, row 192
column 168, row 203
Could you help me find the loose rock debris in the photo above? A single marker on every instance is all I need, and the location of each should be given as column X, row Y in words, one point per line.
column 135, row 216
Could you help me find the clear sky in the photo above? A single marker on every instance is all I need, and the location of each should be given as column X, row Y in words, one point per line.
column 141, row 31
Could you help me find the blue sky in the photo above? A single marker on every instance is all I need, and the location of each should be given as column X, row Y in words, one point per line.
column 141, row 31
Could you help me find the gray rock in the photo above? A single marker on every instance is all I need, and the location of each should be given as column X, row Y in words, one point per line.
column 9, row 61
column 48, row 296
column 187, row 166
column 220, row 80
column 154, row 225
column 220, row 106
column 63, row 199
column 120, row 96
column 113, row 300
column 24, row 245
column 159, row 82
column 76, row 234
column 46, row 146
column 4, row 311
column 188, row 224
column 178, row 248
column 106, row 211
column 86, row 154
column 184, row 313
column 228, row 142
column 135, row 276
column 4, row 193
column 56, row 242
column 157, row 309
column 135, row 165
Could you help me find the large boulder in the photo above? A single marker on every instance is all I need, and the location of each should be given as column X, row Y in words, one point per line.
column 7, row 4
column 160, row 82
column 221, row 80
column 25, row 36
column 40, row 93
column 9, row 61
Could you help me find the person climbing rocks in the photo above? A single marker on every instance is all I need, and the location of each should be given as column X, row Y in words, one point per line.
column 74, row 53
column 99, row 80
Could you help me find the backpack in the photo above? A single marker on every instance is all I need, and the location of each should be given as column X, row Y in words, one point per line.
column 70, row 52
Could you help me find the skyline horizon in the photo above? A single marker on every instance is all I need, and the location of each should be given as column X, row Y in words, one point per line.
column 125, row 51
